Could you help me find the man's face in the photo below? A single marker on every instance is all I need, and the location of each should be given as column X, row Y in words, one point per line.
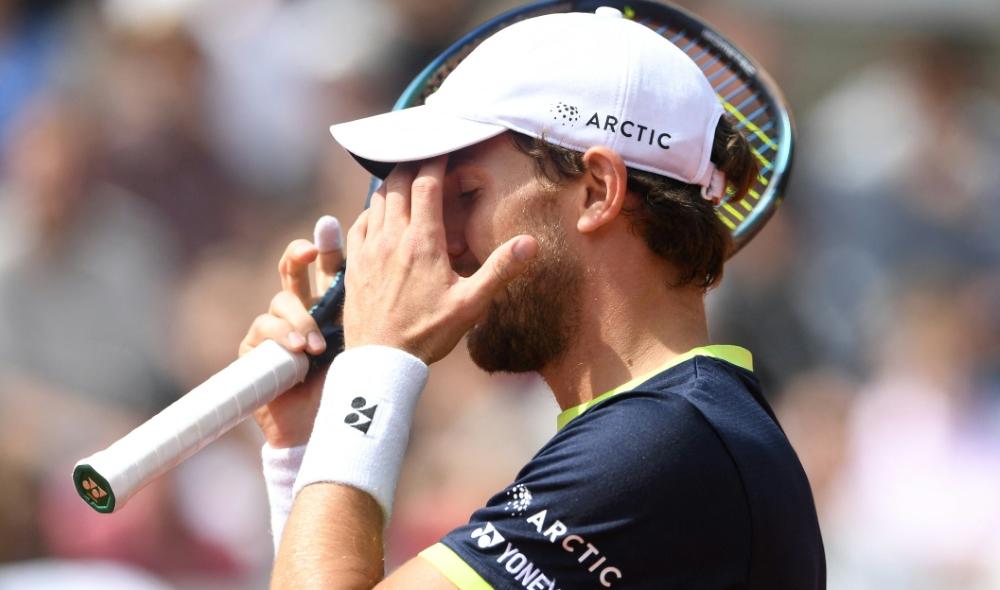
column 492, row 193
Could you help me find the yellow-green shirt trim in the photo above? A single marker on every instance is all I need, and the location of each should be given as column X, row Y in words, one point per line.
column 454, row 568
column 736, row 355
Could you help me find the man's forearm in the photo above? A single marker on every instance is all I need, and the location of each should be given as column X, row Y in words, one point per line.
column 344, row 488
column 332, row 540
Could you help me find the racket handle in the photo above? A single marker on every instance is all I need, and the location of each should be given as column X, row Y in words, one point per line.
column 107, row 479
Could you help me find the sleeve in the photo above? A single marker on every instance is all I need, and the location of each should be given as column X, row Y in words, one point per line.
column 281, row 466
column 639, row 492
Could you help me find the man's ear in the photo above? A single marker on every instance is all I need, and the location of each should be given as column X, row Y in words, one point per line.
column 606, row 180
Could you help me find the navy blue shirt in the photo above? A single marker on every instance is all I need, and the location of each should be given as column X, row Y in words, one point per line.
column 684, row 480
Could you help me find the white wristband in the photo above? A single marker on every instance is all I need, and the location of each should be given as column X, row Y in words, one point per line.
column 281, row 466
column 363, row 424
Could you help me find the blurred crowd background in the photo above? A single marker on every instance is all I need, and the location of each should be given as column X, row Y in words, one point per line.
column 157, row 155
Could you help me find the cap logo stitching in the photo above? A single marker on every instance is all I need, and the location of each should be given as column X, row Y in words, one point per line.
column 569, row 116
column 635, row 131
column 566, row 114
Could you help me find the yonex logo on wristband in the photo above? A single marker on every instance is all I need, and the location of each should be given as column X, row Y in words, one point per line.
column 361, row 418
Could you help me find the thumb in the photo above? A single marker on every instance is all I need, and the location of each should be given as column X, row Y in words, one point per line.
column 508, row 261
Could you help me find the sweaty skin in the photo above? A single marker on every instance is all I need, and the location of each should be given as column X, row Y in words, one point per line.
column 440, row 243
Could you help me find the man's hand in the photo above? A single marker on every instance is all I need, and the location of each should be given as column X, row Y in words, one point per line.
column 288, row 420
column 401, row 288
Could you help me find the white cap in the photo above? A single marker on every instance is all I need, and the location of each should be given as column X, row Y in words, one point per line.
column 573, row 79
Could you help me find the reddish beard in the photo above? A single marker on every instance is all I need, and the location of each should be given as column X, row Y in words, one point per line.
column 535, row 320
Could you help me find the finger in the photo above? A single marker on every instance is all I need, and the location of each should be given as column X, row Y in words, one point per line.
column 395, row 190
column 503, row 265
column 289, row 308
column 294, row 268
column 427, row 200
column 269, row 327
column 356, row 235
column 330, row 243
column 376, row 208
column 397, row 198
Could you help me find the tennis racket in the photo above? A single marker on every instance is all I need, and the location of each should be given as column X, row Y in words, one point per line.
column 108, row 478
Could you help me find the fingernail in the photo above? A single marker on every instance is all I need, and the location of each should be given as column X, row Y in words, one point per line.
column 525, row 249
column 327, row 235
column 296, row 339
column 316, row 341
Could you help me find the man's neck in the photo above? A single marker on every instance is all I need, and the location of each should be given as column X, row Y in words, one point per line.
column 625, row 333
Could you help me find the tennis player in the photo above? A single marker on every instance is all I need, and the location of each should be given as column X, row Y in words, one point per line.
column 552, row 202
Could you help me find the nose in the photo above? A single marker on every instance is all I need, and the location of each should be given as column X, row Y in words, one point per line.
column 457, row 245
column 462, row 261
column 454, row 224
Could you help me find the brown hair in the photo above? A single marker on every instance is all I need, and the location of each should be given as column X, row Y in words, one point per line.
column 676, row 222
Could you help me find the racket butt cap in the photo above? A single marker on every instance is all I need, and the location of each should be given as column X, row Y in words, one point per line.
column 93, row 488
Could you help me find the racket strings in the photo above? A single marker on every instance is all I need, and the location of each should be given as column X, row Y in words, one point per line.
column 753, row 112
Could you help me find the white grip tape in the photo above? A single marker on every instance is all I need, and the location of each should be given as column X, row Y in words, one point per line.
column 363, row 423
column 195, row 420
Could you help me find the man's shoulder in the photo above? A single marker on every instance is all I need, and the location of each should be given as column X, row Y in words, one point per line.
column 653, row 449
column 659, row 486
column 638, row 477
column 634, row 420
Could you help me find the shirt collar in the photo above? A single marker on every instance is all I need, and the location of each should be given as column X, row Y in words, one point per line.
column 736, row 355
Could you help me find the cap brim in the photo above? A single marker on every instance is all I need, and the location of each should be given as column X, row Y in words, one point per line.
column 418, row 133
